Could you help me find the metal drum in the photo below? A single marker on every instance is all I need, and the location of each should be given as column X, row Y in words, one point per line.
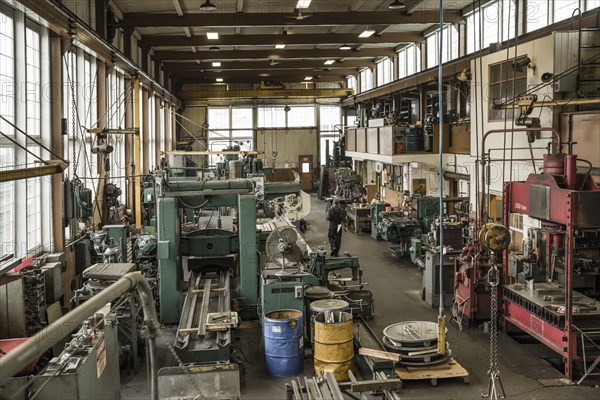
column 320, row 306
column 236, row 169
column 284, row 342
column 334, row 345
column 415, row 141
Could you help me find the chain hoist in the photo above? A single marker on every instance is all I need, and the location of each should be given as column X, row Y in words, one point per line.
column 73, row 109
column 496, row 239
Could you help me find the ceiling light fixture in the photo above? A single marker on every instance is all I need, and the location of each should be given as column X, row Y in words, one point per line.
column 216, row 63
column 208, row 6
column 345, row 47
column 308, row 78
column 280, row 46
column 397, row 5
column 329, row 62
column 462, row 76
column 286, row 108
column 367, row 33
column 303, row 3
column 212, row 35
column 219, row 79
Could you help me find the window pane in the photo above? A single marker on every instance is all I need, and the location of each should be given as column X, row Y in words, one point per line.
column 402, row 64
column 7, row 204
column 323, row 148
column 271, row 117
column 431, row 51
column 34, row 205
column 7, row 73
column 563, row 9
column 218, row 118
column 301, row 116
column 241, row 133
column 508, row 19
column 241, row 118
column 591, row 4
column 329, row 117
column 473, row 40
column 454, row 42
column 218, row 134
column 536, row 15
column 491, row 16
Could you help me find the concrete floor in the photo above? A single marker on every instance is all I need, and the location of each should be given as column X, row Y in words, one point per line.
column 396, row 285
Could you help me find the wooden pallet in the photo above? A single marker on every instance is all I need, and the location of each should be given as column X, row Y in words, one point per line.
column 450, row 369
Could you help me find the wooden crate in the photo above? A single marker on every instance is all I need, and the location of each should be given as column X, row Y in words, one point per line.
column 361, row 140
column 373, row 140
column 351, row 140
column 436, row 138
column 460, row 139
column 386, row 140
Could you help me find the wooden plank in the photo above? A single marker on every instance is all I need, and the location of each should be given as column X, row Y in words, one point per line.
column 385, row 355
column 363, row 396
column 376, row 385
column 451, row 369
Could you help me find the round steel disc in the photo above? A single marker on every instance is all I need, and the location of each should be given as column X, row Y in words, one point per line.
column 412, row 332
column 440, row 360
column 393, row 346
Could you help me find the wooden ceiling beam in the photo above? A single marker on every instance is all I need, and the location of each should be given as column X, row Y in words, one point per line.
column 253, row 40
column 254, row 65
column 272, row 54
column 246, row 20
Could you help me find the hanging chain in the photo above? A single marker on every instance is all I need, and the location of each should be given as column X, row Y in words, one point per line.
column 73, row 110
column 494, row 372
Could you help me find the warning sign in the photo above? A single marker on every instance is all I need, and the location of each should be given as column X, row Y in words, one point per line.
column 100, row 357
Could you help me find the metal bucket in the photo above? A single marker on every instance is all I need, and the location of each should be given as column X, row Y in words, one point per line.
column 334, row 345
column 415, row 141
column 320, row 306
column 284, row 342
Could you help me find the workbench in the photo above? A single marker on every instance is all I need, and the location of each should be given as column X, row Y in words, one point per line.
column 360, row 216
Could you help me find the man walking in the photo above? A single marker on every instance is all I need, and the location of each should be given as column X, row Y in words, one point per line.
column 335, row 216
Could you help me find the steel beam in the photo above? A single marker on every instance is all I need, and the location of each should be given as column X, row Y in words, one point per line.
column 282, row 64
column 53, row 167
column 265, row 93
column 272, row 54
column 261, row 40
column 258, row 79
column 246, row 20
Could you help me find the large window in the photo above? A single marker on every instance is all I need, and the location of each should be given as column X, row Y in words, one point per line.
column 33, row 112
column 301, row 116
column 228, row 125
column 115, row 119
column 366, row 79
column 432, row 47
column 384, row 71
column 277, row 117
column 330, row 118
column 537, row 15
column 7, row 154
column 502, row 79
column 352, row 83
column 409, row 61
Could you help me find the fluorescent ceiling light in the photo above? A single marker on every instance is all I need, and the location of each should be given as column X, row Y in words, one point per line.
column 303, row 3
column 280, row 46
column 367, row 33
column 216, row 63
column 308, row 78
column 219, row 79
column 345, row 47
column 212, row 35
column 329, row 62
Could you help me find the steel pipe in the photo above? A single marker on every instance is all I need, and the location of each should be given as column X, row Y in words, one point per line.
column 17, row 359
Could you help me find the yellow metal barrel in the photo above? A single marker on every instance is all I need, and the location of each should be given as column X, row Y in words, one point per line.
column 334, row 346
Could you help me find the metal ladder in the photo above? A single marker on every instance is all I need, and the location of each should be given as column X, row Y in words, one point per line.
column 589, row 69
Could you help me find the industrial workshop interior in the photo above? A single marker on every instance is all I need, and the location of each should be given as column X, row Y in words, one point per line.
column 301, row 200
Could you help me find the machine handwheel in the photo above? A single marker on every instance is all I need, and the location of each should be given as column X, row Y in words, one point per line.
column 467, row 379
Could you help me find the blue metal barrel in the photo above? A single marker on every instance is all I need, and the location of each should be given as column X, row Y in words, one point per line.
column 284, row 342
column 415, row 141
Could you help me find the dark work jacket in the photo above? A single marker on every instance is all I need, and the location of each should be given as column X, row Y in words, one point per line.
column 335, row 216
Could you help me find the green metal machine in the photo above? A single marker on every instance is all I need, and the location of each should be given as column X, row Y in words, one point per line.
column 376, row 210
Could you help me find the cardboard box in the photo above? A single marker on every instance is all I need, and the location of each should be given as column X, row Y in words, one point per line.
column 460, row 139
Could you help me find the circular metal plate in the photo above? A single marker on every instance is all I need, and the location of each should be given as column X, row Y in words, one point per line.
column 440, row 360
column 393, row 346
column 412, row 332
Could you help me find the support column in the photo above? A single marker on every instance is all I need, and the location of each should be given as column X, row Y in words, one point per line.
column 145, row 131
column 137, row 202
column 55, row 96
column 129, row 167
column 169, row 270
column 100, row 210
column 247, row 242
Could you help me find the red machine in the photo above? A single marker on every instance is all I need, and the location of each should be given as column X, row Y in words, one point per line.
column 566, row 320
column 471, row 288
